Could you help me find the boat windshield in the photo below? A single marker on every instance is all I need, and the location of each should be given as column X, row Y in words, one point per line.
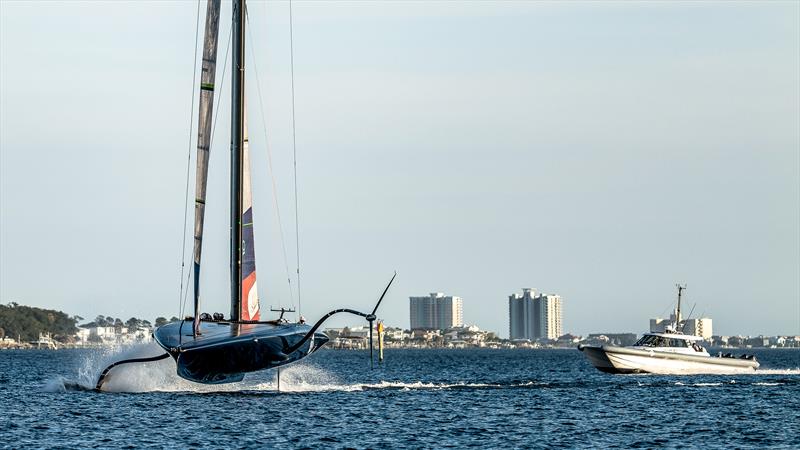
column 649, row 340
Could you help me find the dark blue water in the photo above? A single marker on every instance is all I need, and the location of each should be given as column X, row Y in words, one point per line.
column 418, row 399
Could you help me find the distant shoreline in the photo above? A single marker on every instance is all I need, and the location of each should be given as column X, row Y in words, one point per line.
column 106, row 347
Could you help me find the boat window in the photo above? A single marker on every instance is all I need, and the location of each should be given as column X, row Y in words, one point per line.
column 675, row 343
column 647, row 341
column 660, row 341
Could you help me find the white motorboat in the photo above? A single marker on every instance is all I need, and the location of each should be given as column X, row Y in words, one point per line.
column 670, row 352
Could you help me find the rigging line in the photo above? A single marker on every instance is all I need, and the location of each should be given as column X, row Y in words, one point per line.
column 182, row 304
column 185, row 295
column 294, row 153
column 669, row 308
column 269, row 160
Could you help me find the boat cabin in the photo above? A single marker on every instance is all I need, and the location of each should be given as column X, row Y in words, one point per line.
column 669, row 342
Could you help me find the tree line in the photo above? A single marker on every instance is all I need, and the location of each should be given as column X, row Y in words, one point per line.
column 27, row 322
column 130, row 324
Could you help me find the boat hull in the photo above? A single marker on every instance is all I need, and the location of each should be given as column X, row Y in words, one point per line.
column 611, row 359
column 224, row 352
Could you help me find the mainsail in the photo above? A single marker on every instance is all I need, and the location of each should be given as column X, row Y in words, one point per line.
column 250, row 306
column 204, row 138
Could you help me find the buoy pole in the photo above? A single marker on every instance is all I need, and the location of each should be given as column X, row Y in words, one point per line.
column 380, row 342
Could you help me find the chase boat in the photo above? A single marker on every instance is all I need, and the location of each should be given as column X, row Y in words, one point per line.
column 669, row 353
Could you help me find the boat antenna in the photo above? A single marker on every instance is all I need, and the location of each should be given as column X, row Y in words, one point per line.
column 681, row 288
column 294, row 156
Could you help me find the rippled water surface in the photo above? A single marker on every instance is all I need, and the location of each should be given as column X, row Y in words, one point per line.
column 417, row 398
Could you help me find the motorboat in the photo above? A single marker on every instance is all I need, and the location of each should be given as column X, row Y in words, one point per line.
column 670, row 352
column 666, row 353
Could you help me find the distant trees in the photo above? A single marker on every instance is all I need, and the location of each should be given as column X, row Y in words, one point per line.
column 134, row 323
column 100, row 321
column 108, row 321
column 27, row 322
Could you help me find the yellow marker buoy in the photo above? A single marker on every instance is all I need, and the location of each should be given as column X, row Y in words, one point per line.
column 380, row 341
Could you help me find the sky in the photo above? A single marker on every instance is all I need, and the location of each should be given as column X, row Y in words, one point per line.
column 602, row 151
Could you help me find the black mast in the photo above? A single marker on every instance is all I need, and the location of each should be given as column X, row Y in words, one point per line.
column 237, row 144
column 678, row 327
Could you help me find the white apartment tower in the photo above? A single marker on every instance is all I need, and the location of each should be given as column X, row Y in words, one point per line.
column 436, row 312
column 532, row 316
column 549, row 320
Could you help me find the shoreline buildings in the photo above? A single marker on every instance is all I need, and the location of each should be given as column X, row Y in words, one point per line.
column 702, row 327
column 436, row 312
column 532, row 316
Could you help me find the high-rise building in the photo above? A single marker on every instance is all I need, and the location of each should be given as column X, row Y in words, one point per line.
column 548, row 318
column 520, row 314
column 532, row 316
column 436, row 312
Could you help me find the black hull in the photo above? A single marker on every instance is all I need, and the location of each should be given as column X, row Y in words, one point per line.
column 224, row 352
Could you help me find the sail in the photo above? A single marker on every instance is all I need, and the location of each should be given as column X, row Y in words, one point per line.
column 250, row 306
column 204, row 137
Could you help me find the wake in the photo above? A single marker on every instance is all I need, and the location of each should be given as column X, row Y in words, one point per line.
column 125, row 378
column 302, row 377
column 795, row 371
column 160, row 376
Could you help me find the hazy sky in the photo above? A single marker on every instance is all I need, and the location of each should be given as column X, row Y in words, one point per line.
column 600, row 151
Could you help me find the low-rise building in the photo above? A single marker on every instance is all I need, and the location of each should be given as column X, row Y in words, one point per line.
column 702, row 327
column 699, row 327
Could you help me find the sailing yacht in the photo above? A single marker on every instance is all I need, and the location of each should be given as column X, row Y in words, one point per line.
column 214, row 349
column 670, row 352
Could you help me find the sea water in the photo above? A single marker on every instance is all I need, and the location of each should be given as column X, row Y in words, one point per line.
column 416, row 398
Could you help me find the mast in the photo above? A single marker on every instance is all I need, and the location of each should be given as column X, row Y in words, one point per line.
column 207, row 77
column 237, row 145
column 678, row 327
